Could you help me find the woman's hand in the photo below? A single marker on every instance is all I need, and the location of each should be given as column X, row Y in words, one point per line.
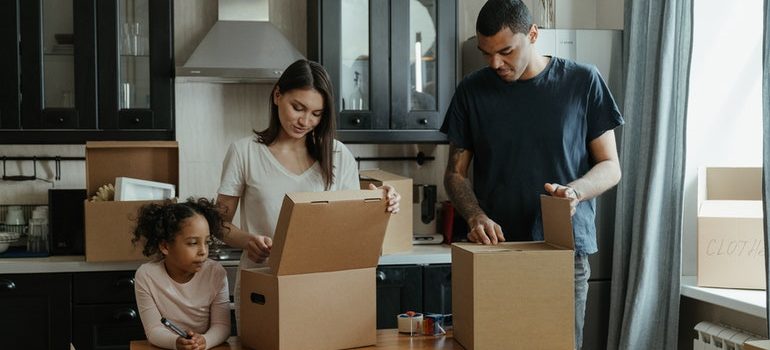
column 258, row 248
column 393, row 197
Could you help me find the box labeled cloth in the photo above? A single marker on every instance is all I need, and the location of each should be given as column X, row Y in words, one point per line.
column 731, row 251
column 318, row 291
column 517, row 295
column 398, row 237
column 109, row 225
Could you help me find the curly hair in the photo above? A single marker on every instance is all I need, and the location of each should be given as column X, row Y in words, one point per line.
column 159, row 223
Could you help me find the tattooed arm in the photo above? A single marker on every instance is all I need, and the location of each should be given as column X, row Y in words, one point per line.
column 482, row 228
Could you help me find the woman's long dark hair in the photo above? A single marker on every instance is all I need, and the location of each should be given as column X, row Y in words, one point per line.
column 304, row 74
column 160, row 222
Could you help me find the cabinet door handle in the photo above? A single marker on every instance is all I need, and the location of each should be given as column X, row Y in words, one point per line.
column 61, row 120
column 424, row 121
column 127, row 314
column 125, row 283
column 356, row 121
column 381, row 276
column 7, row 285
column 136, row 120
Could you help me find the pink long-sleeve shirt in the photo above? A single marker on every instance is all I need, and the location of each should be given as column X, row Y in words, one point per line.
column 201, row 304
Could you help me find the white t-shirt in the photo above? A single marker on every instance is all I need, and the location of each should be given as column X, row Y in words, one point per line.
column 252, row 173
column 201, row 305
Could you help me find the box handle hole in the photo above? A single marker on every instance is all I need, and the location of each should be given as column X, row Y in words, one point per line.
column 257, row 298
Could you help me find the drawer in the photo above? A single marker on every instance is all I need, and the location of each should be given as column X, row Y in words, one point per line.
column 103, row 287
column 102, row 327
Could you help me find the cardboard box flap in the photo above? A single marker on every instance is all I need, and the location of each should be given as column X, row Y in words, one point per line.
column 329, row 231
column 378, row 175
column 731, row 209
column 737, row 183
column 557, row 221
column 147, row 160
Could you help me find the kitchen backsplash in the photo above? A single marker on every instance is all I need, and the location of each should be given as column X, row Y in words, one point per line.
column 36, row 192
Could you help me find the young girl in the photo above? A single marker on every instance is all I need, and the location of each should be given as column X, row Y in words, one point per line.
column 182, row 285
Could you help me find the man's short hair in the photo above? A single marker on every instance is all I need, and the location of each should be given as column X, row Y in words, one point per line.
column 496, row 14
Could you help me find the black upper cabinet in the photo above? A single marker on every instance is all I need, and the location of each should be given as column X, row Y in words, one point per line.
column 86, row 70
column 392, row 64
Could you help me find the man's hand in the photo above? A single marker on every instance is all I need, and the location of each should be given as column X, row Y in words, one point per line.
column 258, row 248
column 393, row 197
column 557, row 190
column 484, row 230
column 196, row 342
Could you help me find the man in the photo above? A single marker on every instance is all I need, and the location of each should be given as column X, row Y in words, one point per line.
column 531, row 124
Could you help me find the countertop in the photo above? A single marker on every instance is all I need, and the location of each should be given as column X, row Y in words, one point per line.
column 387, row 339
column 420, row 254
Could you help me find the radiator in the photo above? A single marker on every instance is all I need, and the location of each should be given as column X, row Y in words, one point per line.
column 713, row 336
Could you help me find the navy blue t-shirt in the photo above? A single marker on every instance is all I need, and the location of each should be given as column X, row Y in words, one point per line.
column 527, row 133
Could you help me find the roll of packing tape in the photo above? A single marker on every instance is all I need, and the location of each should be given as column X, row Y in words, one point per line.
column 409, row 325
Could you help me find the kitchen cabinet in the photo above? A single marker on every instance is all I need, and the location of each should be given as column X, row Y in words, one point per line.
column 104, row 312
column 419, row 288
column 399, row 289
column 35, row 311
column 81, row 70
column 437, row 289
column 392, row 64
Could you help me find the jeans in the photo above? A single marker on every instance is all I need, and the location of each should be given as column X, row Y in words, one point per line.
column 582, row 274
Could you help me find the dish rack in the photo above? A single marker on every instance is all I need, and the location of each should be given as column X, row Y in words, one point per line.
column 18, row 248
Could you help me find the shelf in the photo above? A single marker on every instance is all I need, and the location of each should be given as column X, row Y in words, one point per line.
column 752, row 302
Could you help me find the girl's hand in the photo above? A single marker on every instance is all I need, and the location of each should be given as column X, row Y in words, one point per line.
column 258, row 248
column 196, row 342
column 393, row 197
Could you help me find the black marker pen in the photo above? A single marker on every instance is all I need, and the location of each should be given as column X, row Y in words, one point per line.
column 174, row 328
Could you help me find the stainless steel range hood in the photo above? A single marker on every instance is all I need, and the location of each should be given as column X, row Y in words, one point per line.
column 241, row 47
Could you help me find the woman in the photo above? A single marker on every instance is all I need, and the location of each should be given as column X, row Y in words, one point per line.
column 296, row 153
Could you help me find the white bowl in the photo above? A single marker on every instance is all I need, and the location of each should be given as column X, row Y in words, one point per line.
column 4, row 246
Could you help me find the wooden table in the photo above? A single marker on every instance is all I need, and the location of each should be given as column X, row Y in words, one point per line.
column 387, row 339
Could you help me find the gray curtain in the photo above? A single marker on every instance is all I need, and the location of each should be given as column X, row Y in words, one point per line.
column 644, row 309
column 766, row 147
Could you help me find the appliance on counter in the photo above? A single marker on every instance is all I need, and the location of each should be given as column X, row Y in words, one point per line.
column 424, row 215
column 66, row 221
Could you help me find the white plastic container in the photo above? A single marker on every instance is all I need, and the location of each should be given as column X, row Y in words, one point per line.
column 130, row 189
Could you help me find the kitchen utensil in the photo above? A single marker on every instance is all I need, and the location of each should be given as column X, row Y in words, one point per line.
column 6, row 238
column 15, row 216
column 37, row 241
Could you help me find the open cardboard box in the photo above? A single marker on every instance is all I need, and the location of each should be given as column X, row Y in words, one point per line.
column 109, row 225
column 398, row 237
column 319, row 289
column 731, row 251
column 517, row 295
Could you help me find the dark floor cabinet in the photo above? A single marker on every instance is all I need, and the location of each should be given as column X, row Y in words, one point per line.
column 104, row 312
column 35, row 311
column 401, row 288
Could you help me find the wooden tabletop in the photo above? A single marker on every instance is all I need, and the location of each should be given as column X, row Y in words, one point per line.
column 387, row 339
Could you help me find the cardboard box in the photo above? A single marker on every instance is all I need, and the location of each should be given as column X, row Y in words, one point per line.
column 109, row 226
column 517, row 295
column 757, row 345
column 319, row 289
column 398, row 237
column 731, row 251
